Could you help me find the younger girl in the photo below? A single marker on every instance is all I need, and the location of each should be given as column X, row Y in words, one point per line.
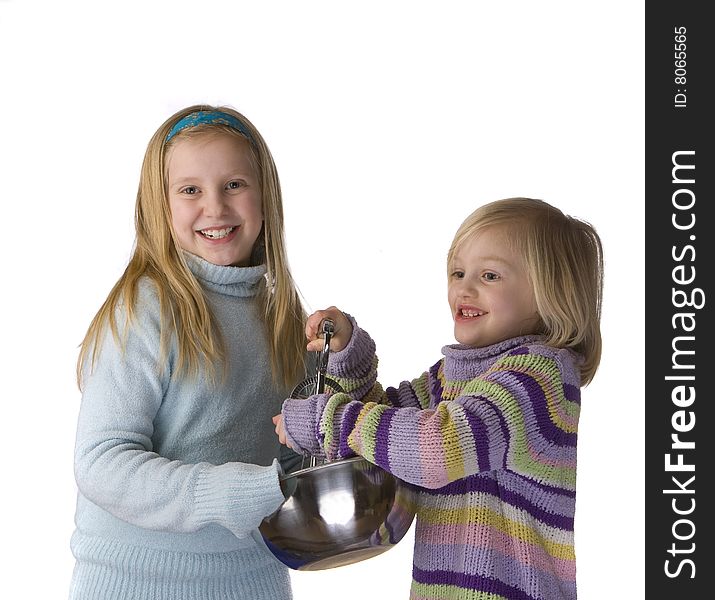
column 489, row 432
column 191, row 353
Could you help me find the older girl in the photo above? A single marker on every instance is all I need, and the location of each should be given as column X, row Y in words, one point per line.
column 189, row 356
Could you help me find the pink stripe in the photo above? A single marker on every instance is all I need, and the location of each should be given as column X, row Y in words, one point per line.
column 536, row 457
column 447, row 535
column 434, row 469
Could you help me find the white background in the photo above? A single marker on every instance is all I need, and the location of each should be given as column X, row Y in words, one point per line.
column 389, row 122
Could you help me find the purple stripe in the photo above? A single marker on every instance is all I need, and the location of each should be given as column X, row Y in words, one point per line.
column 382, row 439
column 470, row 582
column 572, row 393
column 407, row 396
column 481, row 440
column 552, row 489
column 435, row 385
column 502, row 421
column 542, row 582
column 521, row 350
column 465, row 485
column 393, row 398
column 545, row 516
column 489, row 485
column 537, row 401
column 486, row 444
column 347, row 424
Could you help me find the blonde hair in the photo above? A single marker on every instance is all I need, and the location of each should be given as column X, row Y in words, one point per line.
column 185, row 312
column 564, row 261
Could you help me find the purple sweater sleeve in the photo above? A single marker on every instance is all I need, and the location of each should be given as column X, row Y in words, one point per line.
column 354, row 368
column 515, row 416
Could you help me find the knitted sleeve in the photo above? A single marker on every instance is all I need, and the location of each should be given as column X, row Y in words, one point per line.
column 116, row 465
column 354, row 368
column 518, row 415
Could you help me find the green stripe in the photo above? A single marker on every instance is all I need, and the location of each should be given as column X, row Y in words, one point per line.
column 520, row 459
column 442, row 591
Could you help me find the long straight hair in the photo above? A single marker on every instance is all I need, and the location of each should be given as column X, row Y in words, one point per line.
column 157, row 255
column 564, row 261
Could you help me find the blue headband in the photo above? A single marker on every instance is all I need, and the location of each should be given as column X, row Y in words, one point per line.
column 209, row 116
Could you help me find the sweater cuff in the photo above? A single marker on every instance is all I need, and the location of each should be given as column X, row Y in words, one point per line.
column 356, row 358
column 300, row 423
column 237, row 496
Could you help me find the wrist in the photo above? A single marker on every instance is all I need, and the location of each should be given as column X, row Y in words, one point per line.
column 299, row 425
column 358, row 352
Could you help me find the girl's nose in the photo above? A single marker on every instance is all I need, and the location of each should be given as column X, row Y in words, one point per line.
column 468, row 291
column 214, row 204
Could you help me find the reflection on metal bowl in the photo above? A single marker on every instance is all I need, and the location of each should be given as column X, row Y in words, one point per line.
column 338, row 513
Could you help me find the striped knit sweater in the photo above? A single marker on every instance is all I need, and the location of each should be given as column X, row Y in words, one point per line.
column 489, row 437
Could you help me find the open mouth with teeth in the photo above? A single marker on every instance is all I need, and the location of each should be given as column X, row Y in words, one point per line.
column 216, row 234
column 464, row 313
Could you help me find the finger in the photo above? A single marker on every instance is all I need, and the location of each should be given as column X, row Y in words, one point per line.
column 315, row 327
column 312, row 325
column 315, row 345
column 342, row 325
column 311, row 328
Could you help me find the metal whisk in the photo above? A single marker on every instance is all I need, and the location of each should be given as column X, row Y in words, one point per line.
column 318, row 383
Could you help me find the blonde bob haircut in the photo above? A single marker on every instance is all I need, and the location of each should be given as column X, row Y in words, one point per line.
column 185, row 313
column 564, row 261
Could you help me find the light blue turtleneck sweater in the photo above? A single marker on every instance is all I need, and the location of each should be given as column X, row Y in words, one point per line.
column 175, row 475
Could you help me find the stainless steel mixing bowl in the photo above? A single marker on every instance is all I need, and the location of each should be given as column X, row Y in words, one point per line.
column 338, row 513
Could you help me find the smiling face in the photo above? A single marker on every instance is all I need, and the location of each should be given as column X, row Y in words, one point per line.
column 214, row 198
column 489, row 291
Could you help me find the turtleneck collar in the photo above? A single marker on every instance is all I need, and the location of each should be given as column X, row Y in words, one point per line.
column 232, row 281
column 466, row 362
